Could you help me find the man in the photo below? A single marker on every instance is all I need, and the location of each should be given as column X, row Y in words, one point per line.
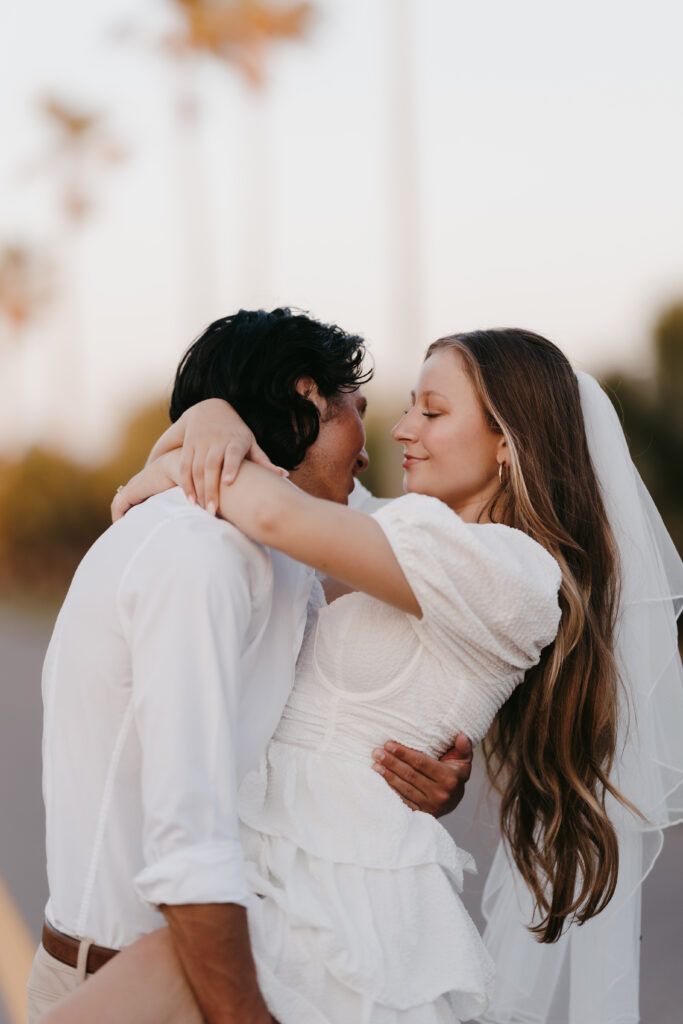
column 171, row 661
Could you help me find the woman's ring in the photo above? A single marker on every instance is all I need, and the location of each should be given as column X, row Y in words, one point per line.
column 119, row 488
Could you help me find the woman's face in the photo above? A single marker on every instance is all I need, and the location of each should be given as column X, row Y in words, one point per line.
column 450, row 451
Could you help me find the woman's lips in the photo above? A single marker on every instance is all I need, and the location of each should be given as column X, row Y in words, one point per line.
column 411, row 460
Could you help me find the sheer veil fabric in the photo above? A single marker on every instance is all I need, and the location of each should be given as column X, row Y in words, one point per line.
column 591, row 975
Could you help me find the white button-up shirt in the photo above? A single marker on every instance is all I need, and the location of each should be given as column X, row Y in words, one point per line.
column 170, row 663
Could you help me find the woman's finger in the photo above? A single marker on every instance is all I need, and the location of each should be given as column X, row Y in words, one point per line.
column 119, row 507
column 212, row 480
column 186, row 482
column 256, row 454
column 198, row 476
column 235, row 454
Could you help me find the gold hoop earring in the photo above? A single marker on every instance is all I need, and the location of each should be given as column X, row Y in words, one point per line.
column 500, row 473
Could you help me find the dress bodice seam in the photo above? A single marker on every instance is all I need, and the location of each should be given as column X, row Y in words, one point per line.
column 360, row 696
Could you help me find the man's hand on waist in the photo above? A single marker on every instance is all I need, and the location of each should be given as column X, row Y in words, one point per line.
column 425, row 783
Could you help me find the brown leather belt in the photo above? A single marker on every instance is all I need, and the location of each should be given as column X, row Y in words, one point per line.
column 65, row 949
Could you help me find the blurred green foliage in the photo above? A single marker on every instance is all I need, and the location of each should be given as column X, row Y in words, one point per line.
column 652, row 414
column 51, row 509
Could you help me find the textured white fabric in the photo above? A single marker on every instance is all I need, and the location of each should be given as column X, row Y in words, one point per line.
column 591, row 975
column 164, row 644
column 364, row 500
column 356, row 915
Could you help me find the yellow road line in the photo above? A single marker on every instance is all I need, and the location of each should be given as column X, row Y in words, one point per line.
column 17, row 948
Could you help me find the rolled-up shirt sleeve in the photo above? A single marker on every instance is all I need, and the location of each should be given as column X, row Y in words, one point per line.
column 187, row 599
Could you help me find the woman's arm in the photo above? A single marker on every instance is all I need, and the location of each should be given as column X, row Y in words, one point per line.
column 214, row 441
column 172, row 437
column 332, row 538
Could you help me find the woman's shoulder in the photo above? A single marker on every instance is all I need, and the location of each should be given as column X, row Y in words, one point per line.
column 520, row 550
column 496, row 541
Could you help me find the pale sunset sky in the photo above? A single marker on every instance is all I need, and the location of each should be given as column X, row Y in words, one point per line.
column 413, row 167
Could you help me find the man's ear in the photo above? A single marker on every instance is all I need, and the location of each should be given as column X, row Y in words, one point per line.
column 308, row 388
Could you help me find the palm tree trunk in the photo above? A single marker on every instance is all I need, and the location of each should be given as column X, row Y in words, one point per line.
column 404, row 241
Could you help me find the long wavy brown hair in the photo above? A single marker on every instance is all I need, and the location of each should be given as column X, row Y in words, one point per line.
column 551, row 747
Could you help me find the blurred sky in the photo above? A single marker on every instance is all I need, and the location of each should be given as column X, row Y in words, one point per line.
column 537, row 183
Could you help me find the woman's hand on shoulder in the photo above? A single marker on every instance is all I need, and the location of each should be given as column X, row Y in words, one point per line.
column 157, row 476
column 216, row 443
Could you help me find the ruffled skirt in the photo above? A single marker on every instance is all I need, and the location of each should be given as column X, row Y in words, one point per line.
column 355, row 915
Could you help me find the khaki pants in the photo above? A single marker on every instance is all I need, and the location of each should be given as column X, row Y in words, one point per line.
column 51, row 980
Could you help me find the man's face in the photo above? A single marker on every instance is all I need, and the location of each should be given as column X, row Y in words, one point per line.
column 331, row 463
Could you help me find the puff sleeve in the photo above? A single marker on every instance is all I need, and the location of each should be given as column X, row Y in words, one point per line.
column 487, row 592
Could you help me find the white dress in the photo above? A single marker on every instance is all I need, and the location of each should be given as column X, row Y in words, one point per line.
column 356, row 917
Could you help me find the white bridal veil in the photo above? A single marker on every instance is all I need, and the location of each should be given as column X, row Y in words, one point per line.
column 590, row 976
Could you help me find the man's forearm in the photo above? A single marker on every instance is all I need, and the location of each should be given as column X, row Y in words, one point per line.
column 212, row 942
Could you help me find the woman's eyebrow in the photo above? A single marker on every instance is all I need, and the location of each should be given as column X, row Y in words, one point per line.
column 438, row 394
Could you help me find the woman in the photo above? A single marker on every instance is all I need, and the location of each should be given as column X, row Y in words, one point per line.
column 358, row 919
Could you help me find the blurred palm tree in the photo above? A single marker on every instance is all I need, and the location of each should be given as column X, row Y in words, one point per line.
column 24, row 288
column 240, row 33
column 403, row 191
column 80, row 149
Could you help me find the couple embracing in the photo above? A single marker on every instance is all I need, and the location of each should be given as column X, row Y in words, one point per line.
column 239, row 651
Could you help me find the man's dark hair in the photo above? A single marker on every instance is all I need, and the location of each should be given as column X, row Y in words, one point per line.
column 254, row 359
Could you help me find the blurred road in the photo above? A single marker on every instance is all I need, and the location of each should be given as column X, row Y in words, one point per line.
column 23, row 641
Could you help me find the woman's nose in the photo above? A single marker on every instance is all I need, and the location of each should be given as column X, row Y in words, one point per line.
column 404, row 429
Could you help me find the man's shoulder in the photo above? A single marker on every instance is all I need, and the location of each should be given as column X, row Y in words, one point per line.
column 176, row 537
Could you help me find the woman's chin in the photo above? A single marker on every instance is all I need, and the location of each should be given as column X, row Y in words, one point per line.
column 413, row 486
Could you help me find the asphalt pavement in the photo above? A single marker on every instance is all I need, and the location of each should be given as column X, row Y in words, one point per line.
column 23, row 639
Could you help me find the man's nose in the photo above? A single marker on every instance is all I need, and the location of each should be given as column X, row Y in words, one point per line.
column 363, row 460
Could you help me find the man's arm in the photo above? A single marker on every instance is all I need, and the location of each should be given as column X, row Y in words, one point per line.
column 422, row 782
column 187, row 609
column 212, row 943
